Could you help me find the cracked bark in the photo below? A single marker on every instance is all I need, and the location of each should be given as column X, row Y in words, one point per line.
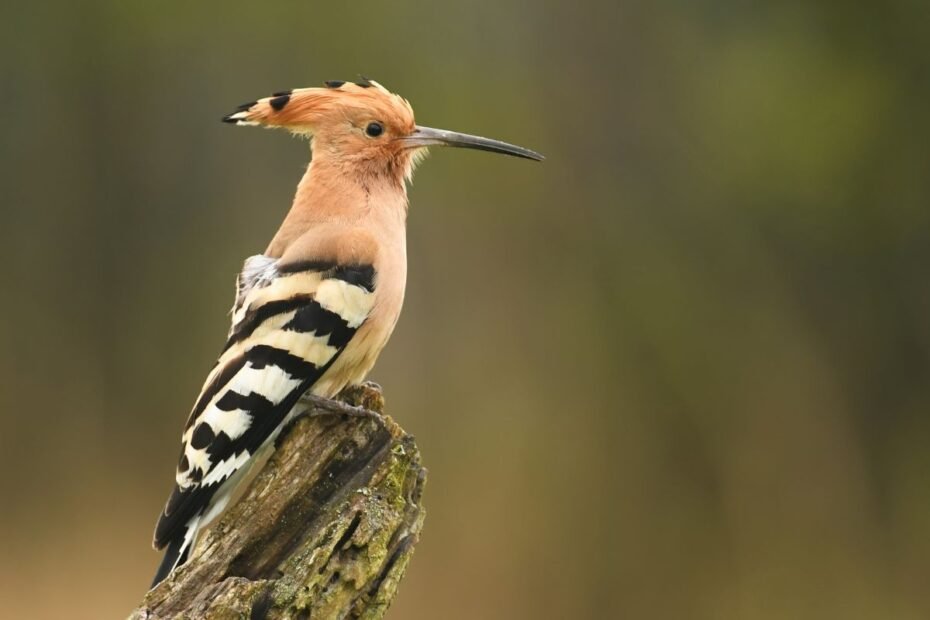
column 324, row 531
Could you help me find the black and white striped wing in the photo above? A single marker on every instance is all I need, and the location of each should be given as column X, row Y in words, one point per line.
column 290, row 323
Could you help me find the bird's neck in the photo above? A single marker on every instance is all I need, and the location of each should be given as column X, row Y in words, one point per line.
column 334, row 193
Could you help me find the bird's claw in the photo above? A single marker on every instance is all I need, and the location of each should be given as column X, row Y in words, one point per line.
column 363, row 400
column 366, row 395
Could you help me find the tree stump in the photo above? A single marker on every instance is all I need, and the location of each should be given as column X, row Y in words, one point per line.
column 325, row 530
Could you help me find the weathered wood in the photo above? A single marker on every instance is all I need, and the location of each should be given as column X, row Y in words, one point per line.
column 324, row 531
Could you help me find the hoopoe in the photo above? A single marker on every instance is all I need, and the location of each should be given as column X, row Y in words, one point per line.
column 313, row 311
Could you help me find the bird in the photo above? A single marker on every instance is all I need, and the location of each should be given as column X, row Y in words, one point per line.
column 314, row 310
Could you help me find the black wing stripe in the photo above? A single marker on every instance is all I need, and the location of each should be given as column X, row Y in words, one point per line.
column 222, row 447
column 358, row 275
column 219, row 382
column 263, row 355
column 306, row 265
column 256, row 316
column 313, row 317
column 252, row 402
column 202, row 436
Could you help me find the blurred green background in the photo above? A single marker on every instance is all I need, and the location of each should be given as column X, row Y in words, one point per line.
column 679, row 370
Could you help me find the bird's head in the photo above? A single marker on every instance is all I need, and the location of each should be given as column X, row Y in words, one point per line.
column 361, row 126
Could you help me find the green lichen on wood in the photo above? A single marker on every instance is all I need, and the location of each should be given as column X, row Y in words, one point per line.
column 325, row 531
column 352, row 562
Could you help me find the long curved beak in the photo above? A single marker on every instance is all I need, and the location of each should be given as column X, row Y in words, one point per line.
column 427, row 136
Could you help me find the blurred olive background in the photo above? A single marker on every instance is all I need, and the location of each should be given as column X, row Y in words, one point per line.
column 678, row 370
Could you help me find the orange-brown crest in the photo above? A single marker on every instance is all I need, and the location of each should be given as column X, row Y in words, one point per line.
column 348, row 121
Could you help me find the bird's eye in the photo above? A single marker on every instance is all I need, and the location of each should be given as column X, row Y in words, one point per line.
column 374, row 129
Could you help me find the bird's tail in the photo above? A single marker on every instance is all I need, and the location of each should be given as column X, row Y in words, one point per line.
column 175, row 555
column 177, row 551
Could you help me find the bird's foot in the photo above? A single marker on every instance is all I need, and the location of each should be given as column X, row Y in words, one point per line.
column 363, row 400
column 310, row 406
column 366, row 395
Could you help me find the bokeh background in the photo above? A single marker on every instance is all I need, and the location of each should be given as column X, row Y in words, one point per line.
column 679, row 370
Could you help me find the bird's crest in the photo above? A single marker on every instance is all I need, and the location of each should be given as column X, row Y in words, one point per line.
column 304, row 110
